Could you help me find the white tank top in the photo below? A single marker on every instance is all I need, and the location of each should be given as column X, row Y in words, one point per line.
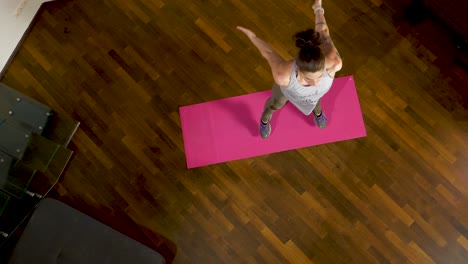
column 305, row 97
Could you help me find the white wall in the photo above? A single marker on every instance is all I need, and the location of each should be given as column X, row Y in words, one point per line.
column 15, row 18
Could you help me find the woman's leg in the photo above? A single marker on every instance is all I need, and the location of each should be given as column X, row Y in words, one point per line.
column 275, row 102
column 318, row 108
column 320, row 118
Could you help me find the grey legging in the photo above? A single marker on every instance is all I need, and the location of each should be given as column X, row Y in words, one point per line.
column 277, row 101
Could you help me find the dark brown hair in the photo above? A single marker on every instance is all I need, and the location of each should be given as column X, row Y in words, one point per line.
column 310, row 57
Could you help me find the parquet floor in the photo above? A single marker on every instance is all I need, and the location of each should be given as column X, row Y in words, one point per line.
column 123, row 67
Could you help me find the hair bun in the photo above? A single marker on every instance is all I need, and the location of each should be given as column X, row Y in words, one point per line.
column 301, row 43
column 307, row 38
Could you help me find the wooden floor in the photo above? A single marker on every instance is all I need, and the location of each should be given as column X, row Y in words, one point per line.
column 123, row 67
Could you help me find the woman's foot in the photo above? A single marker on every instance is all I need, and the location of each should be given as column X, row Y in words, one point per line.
column 265, row 129
column 320, row 120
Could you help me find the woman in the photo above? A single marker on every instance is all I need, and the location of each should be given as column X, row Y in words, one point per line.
column 304, row 80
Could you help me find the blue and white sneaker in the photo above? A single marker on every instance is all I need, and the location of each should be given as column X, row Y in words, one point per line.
column 321, row 120
column 265, row 129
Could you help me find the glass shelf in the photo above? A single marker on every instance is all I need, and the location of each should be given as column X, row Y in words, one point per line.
column 15, row 213
column 40, row 152
column 43, row 182
column 33, row 155
column 4, row 198
column 15, row 105
column 14, row 139
column 31, row 148
column 60, row 129
column 15, row 176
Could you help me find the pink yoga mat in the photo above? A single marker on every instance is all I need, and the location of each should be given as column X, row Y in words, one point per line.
column 227, row 129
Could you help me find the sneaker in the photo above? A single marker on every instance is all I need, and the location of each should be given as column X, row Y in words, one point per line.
column 321, row 120
column 265, row 129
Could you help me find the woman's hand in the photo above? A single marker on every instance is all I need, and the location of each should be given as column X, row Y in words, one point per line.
column 318, row 3
column 247, row 32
